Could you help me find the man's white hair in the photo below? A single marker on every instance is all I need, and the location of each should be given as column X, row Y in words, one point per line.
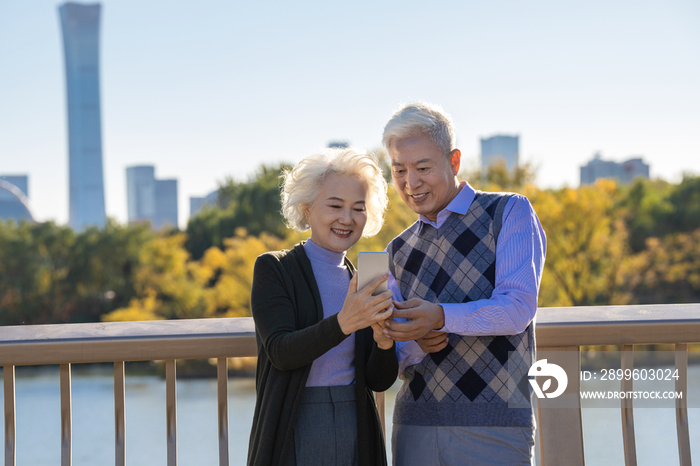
column 302, row 184
column 425, row 118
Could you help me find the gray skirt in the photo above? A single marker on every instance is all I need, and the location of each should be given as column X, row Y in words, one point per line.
column 325, row 430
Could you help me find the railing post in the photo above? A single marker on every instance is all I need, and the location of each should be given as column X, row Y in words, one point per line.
column 171, row 411
column 561, row 430
column 119, row 415
column 8, row 375
column 222, row 393
column 682, row 405
column 66, row 416
column 627, row 385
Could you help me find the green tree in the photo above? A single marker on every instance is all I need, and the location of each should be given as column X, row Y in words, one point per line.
column 254, row 205
column 34, row 261
column 163, row 284
column 656, row 208
column 101, row 267
column 667, row 270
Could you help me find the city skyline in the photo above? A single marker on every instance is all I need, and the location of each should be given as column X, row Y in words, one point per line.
column 204, row 94
column 624, row 172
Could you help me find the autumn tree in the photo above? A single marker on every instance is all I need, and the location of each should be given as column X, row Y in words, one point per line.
column 586, row 246
column 164, row 287
column 667, row 270
column 254, row 205
column 34, row 261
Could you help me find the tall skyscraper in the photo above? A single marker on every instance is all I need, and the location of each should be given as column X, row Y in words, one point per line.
column 625, row 172
column 81, row 33
column 150, row 199
column 498, row 149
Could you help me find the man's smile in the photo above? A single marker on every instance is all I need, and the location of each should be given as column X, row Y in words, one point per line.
column 418, row 197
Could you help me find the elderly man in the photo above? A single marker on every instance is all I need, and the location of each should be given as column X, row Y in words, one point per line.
column 468, row 273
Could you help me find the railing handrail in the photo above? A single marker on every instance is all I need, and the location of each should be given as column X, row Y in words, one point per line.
column 618, row 325
column 211, row 338
column 127, row 341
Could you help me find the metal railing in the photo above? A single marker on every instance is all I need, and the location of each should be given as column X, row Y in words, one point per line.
column 118, row 342
column 561, row 330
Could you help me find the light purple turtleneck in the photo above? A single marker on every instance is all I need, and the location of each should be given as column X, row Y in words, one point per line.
column 337, row 365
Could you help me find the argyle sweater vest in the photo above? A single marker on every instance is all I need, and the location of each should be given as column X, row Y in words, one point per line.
column 475, row 380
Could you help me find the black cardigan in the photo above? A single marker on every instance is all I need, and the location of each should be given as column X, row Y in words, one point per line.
column 291, row 333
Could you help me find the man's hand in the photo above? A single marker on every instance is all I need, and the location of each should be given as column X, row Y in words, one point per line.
column 423, row 317
column 433, row 342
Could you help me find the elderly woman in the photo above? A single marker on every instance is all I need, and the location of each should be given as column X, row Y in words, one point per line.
column 321, row 349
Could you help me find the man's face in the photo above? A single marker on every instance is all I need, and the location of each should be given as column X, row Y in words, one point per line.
column 425, row 178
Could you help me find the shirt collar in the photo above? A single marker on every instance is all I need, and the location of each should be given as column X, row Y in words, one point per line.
column 459, row 205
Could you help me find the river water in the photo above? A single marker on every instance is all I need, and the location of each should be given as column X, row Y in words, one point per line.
column 38, row 422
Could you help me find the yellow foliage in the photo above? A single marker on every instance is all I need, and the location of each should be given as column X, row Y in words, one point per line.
column 164, row 285
column 137, row 310
column 229, row 273
column 586, row 246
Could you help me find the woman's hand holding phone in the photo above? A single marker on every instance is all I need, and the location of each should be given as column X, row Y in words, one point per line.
column 361, row 308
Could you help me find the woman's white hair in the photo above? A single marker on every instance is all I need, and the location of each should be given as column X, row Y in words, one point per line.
column 421, row 117
column 302, row 185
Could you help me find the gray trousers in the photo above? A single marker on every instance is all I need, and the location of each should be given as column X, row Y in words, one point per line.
column 325, row 431
column 462, row 446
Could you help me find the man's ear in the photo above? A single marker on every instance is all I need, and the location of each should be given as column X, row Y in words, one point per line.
column 455, row 160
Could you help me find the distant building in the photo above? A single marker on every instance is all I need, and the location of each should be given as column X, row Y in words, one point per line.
column 338, row 144
column 198, row 203
column 81, row 44
column 141, row 193
column 624, row 172
column 166, row 204
column 149, row 199
column 500, row 148
column 21, row 181
column 13, row 202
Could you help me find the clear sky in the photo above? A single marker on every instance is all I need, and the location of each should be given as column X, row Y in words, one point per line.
column 205, row 90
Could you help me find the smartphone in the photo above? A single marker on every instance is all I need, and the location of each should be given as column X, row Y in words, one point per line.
column 371, row 265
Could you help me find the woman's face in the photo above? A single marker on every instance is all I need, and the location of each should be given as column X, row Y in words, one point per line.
column 338, row 215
